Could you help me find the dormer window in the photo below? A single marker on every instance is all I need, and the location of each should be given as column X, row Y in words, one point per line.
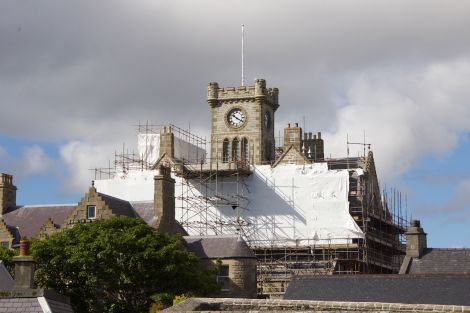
column 91, row 212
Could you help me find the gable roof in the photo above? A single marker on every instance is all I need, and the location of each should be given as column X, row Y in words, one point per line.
column 441, row 261
column 410, row 289
column 118, row 206
column 6, row 281
column 295, row 154
column 29, row 219
column 218, row 247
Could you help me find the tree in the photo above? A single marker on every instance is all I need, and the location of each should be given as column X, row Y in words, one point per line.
column 6, row 256
column 116, row 265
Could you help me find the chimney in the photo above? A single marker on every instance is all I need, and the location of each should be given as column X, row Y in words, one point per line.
column 164, row 200
column 7, row 193
column 167, row 142
column 293, row 137
column 24, row 267
column 416, row 242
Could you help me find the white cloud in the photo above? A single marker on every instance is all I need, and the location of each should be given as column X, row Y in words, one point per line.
column 79, row 158
column 406, row 113
column 34, row 161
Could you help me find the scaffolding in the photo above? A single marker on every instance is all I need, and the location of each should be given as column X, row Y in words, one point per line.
column 205, row 188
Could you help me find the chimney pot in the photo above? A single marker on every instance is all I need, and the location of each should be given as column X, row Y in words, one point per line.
column 24, row 247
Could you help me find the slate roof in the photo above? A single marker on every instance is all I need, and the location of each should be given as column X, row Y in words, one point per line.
column 29, row 219
column 218, row 247
column 118, row 206
column 34, row 301
column 6, row 281
column 410, row 289
column 144, row 210
column 441, row 261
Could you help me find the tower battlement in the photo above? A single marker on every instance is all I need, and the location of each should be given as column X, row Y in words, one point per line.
column 258, row 90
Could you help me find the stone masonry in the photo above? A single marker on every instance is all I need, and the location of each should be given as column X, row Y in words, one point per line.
column 257, row 104
column 268, row 305
column 7, row 193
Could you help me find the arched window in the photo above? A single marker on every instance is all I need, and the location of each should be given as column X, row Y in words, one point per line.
column 225, row 151
column 245, row 149
column 235, row 150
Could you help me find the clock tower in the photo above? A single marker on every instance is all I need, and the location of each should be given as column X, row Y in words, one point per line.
column 242, row 123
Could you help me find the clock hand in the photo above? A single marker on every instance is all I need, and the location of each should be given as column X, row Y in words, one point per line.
column 238, row 118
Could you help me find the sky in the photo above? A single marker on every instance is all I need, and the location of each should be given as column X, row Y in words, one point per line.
column 76, row 77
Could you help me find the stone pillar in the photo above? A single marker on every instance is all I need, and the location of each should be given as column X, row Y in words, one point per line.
column 293, row 137
column 7, row 193
column 167, row 142
column 24, row 267
column 416, row 242
column 164, row 200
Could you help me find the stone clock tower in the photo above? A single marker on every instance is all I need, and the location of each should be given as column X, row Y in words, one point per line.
column 242, row 123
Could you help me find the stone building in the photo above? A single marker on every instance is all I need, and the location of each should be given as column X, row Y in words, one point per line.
column 236, row 262
column 421, row 260
column 298, row 211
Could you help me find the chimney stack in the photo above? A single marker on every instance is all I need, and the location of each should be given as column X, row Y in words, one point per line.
column 416, row 242
column 24, row 267
column 164, row 200
column 7, row 193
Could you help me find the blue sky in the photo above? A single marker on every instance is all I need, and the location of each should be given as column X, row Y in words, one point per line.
column 76, row 77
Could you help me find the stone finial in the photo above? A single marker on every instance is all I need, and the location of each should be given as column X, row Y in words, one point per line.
column 260, row 87
column 416, row 242
column 212, row 91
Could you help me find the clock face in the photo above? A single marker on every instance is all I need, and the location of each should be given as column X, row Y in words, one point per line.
column 236, row 118
column 267, row 120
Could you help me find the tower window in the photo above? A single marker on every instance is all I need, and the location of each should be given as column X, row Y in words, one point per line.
column 245, row 149
column 235, row 151
column 225, row 151
column 91, row 212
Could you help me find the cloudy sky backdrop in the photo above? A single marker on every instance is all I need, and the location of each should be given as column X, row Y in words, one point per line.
column 77, row 76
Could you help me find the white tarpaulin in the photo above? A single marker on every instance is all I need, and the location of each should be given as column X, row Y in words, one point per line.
column 306, row 204
column 148, row 146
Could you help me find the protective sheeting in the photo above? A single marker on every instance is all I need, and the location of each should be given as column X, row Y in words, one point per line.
column 148, row 146
column 300, row 204
column 189, row 152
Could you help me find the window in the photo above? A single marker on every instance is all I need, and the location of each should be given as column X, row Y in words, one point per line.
column 223, row 277
column 235, row 156
column 245, row 149
column 91, row 212
column 225, row 151
column 5, row 244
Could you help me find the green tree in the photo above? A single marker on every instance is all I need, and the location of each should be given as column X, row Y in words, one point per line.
column 116, row 265
column 6, row 256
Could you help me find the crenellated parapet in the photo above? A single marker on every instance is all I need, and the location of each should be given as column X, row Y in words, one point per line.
column 216, row 95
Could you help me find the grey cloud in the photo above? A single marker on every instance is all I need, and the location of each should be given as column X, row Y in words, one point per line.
column 86, row 71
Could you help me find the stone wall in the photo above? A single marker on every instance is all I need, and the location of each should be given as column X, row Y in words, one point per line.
column 242, row 274
column 47, row 229
column 5, row 234
column 255, row 102
column 254, row 305
column 79, row 214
